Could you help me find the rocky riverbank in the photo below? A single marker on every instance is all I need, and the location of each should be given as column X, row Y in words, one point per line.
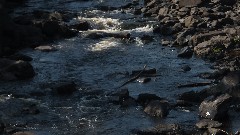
column 204, row 28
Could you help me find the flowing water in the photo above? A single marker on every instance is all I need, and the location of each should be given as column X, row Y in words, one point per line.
column 98, row 67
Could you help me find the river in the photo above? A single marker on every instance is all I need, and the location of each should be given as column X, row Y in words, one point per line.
column 98, row 67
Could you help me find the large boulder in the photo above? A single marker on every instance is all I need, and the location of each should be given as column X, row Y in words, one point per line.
column 15, row 70
column 215, row 108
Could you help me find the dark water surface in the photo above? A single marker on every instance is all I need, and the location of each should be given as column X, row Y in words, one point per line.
column 98, row 67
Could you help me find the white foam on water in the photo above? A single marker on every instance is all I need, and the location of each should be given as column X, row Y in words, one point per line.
column 100, row 23
column 103, row 45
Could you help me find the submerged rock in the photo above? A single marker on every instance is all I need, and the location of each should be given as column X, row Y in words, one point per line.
column 157, row 108
column 65, row 88
column 215, row 108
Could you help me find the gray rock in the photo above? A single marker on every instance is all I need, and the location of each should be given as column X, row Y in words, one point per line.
column 215, row 108
column 24, row 133
column 185, row 52
column 206, row 123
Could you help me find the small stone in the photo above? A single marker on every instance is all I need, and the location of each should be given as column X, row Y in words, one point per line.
column 186, row 68
column 144, row 80
column 206, row 123
column 157, row 108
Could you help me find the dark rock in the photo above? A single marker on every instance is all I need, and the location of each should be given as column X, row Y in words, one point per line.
column 82, row 26
column 65, row 88
column 182, row 103
column 53, row 29
column 194, row 96
column 225, row 2
column 186, row 68
column 46, row 48
column 164, row 30
column 15, row 70
column 119, row 96
column 98, row 35
column 145, row 72
column 232, row 79
column 144, row 80
column 161, row 129
column 219, row 74
column 185, row 52
column 128, row 102
column 145, row 98
column 206, row 123
column 190, row 3
column 215, row 108
column 157, row 108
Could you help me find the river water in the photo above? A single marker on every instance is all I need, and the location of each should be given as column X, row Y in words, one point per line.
column 98, row 67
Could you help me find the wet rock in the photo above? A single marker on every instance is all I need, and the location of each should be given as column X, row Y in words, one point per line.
column 225, row 3
column 190, row 3
column 219, row 74
column 232, row 79
column 98, row 35
column 194, row 96
column 182, row 103
column 215, row 131
column 157, row 108
column 144, row 80
column 46, row 48
column 15, row 70
column 145, row 72
column 128, row 102
column 161, row 129
column 163, row 30
column 119, row 96
column 185, row 52
column 65, row 88
column 206, row 123
column 186, row 68
column 53, row 29
column 24, row 133
column 215, row 108
column 145, row 98
column 81, row 26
